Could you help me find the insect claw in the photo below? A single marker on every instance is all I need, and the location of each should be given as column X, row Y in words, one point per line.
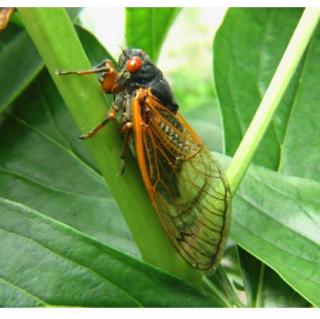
column 122, row 168
column 121, row 173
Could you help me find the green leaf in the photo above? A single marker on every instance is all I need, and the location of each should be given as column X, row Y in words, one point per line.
column 21, row 60
column 264, row 287
column 146, row 28
column 247, row 49
column 205, row 119
column 300, row 150
column 276, row 218
column 46, row 263
column 276, row 293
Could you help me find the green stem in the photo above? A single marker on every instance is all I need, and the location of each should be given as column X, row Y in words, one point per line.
column 258, row 297
column 272, row 97
column 56, row 40
column 224, row 299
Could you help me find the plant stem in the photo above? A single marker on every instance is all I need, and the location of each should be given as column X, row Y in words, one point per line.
column 272, row 97
column 258, row 297
column 226, row 301
column 56, row 40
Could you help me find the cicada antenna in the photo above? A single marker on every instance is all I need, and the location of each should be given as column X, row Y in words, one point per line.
column 123, row 51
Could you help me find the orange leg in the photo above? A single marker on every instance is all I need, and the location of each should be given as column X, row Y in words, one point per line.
column 110, row 116
column 107, row 73
column 107, row 69
column 105, row 66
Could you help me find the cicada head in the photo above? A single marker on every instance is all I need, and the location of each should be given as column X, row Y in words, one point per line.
column 135, row 68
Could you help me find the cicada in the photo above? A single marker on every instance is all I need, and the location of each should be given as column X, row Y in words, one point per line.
column 186, row 185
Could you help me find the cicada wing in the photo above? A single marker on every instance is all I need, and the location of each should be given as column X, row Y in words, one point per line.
column 186, row 185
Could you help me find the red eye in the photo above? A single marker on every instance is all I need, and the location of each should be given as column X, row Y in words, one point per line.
column 134, row 64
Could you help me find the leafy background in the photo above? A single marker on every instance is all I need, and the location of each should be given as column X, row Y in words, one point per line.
column 63, row 241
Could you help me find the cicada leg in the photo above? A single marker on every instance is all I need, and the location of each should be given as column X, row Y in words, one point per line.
column 126, row 130
column 110, row 116
column 105, row 66
column 107, row 73
column 107, row 79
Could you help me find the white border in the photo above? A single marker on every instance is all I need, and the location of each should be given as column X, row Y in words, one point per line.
column 158, row 313
column 162, row 3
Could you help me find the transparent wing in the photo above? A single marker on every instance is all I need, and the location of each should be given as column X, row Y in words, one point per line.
column 186, row 185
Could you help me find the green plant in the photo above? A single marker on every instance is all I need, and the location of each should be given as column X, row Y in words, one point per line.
column 58, row 221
